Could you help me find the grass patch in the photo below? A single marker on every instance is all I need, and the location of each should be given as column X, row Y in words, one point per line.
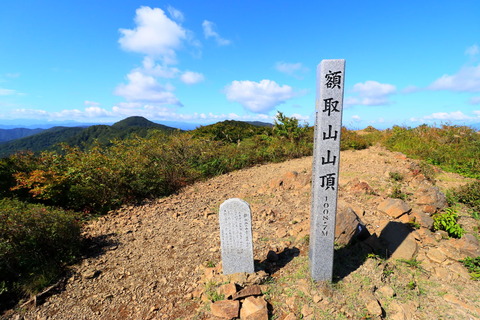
column 473, row 266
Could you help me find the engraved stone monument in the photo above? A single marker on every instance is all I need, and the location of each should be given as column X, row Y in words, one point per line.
column 326, row 159
column 236, row 236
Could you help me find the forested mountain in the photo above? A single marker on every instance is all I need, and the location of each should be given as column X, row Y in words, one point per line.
column 82, row 137
column 230, row 131
column 12, row 134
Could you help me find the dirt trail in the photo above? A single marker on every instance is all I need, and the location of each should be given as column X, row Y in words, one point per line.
column 146, row 261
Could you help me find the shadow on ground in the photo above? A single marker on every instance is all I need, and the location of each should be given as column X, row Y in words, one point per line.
column 275, row 262
column 349, row 258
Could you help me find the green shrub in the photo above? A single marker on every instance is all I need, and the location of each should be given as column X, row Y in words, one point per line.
column 447, row 221
column 469, row 195
column 350, row 140
column 396, row 176
column 36, row 242
column 473, row 266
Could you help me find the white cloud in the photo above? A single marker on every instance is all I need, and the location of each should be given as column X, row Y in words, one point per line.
column 371, row 93
column 7, row 92
column 259, row 97
column 67, row 114
column 472, row 50
column 91, row 103
column 474, row 100
column 175, row 14
column 467, row 79
column 454, row 116
column 144, row 88
column 477, row 113
column 150, row 67
column 209, row 32
column 190, row 77
column 154, row 35
column 290, row 68
column 356, row 118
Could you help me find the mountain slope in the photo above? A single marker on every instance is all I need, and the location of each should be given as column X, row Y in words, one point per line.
column 82, row 137
column 17, row 133
column 149, row 261
column 40, row 141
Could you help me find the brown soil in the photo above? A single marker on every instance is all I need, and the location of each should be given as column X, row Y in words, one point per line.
column 149, row 261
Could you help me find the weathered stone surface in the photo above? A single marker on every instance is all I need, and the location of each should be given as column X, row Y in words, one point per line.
column 228, row 309
column 252, row 305
column 398, row 240
column 468, row 245
column 359, row 187
column 407, row 249
column 306, row 310
column 374, row 308
column 326, row 160
column 423, row 219
column 254, row 290
column 386, row 291
column 431, row 196
column 346, row 225
column 228, row 290
column 435, row 255
column 290, row 316
column 394, row 207
column 236, row 236
column 397, row 312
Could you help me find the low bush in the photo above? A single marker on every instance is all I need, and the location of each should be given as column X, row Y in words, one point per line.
column 447, row 221
column 473, row 266
column 469, row 195
column 36, row 242
column 454, row 148
column 352, row 140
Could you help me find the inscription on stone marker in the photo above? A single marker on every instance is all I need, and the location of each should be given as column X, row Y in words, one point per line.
column 328, row 124
column 236, row 236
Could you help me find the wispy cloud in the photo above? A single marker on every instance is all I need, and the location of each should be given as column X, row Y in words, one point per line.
column 7, row 92
column 291, row 69
column 209, row 32
column 175, row 14
column 371, row 93
column 467, row 79
column 454, row 116
column 259, row 97
column 190, row 77
column 474, row 100
column 472, row 50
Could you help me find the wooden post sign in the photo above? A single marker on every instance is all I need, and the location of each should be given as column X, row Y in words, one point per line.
column 326, row 160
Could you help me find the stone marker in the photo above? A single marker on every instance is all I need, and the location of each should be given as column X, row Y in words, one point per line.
column 326, row 159
column 236, row 236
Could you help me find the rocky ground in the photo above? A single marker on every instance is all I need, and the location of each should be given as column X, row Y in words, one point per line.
column 161, row 260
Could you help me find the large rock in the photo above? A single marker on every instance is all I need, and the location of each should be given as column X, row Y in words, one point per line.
column 394, row 207
column 254, row 309
column 247, row 292
column 346, row 224
column 359, row 187
column 227, row 309
column 399, row 241
column 423, row 219
column 430, row 197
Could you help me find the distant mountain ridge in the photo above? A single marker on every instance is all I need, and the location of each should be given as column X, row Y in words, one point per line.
column 17, row 133
column 81, row 136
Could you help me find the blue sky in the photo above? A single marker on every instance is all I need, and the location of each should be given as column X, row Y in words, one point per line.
column 407, row 62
